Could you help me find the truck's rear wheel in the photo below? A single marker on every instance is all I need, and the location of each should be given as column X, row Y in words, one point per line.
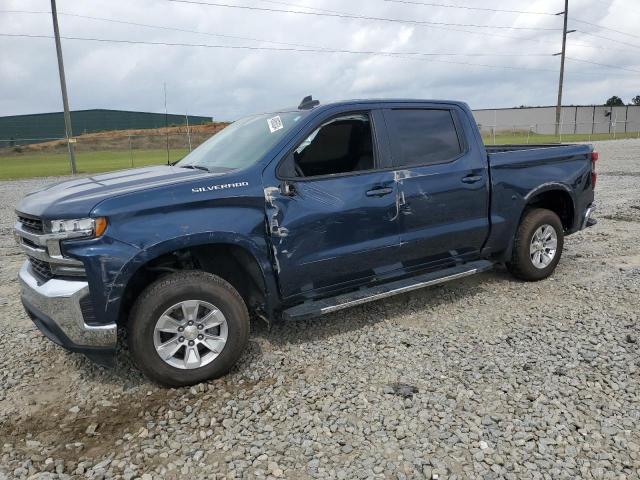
column 538, row 245
column 188, row 327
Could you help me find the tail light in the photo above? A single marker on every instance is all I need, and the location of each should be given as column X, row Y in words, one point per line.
column 594, row 175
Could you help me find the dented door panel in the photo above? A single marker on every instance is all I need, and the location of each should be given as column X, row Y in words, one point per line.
column 330, row 234
column 442, row 220
column 443, row 208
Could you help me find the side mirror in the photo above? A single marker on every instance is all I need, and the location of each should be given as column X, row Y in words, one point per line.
column 287, row 189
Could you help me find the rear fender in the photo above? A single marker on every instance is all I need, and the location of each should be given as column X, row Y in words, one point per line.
column 526, row 201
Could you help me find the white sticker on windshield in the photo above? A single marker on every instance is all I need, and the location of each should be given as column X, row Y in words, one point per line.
column 275, row 123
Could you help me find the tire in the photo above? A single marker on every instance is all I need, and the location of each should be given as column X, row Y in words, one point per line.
column 162, row 305
column 522, row 264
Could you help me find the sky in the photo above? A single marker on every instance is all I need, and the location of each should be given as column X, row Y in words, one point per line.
column 478, row 60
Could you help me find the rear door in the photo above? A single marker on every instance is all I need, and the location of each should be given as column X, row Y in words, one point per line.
column 443, row 185
column 332, row 209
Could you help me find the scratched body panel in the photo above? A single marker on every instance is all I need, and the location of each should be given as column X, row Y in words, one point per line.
column 333, row 232
column 515, row 178
column 169, row 218
column 316, row 238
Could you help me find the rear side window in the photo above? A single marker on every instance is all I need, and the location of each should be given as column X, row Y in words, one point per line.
column 423, row 137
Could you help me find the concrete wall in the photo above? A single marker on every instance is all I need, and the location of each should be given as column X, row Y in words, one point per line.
column 579, row 119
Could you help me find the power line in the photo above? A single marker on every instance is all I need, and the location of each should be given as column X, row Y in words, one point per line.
column 404, row 55
column 605, row 28
column 238, row 37
column 487, row 34
column 342, row 14
column 361, row 17
column 602, row 37
column 161, row 27
column 254, row 39
column 465, row 7
column 309, row 46
column 582, row 60
column 303, row 50
column 296, row 5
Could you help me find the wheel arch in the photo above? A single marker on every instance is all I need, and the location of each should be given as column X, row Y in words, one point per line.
column 556, row 197
column 232, row 257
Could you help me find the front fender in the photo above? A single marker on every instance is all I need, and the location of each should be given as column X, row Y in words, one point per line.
column 111, row 264
column 256, row 247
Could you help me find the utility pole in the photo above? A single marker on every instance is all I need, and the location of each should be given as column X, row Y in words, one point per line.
column 63, row 86
column 166, row 120
column 562, row 57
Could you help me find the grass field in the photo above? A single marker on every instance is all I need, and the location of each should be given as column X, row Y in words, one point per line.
column 43, row 164
column 54, row 164
column 503, row 138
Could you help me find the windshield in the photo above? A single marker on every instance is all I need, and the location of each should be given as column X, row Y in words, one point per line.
column 242, row 143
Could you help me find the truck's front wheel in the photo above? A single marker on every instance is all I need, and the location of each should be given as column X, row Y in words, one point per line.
column 188, row 327
column 538, row 245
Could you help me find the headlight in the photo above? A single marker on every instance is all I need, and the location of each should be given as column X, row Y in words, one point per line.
column 80, row 227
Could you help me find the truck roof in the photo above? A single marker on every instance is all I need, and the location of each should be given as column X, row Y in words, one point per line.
column 392, row 100
column 346, row 103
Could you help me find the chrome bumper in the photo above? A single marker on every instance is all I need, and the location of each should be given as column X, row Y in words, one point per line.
column 55, row 308
column 587, row 221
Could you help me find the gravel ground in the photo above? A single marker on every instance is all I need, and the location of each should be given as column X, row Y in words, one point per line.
column 482, row 378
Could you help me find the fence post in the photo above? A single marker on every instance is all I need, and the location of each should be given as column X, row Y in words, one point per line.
column 130, row 152
column 186, row 116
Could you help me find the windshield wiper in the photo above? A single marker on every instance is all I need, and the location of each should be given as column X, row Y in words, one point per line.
column 196, row 167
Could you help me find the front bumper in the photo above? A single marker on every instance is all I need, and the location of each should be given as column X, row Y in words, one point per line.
column 55, row 308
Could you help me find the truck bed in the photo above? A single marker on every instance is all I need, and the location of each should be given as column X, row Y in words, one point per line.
column 511, row 148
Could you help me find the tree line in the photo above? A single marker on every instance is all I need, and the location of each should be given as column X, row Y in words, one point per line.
column 616, row 101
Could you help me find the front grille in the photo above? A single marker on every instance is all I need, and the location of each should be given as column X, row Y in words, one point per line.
column 31, row 224
column 41, row 269
column 31, row 244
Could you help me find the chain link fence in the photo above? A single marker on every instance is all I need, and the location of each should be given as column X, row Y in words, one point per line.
column 567, row 132
column 132, row 146
column 577, row 123
column 99, row 152
column 116, row 150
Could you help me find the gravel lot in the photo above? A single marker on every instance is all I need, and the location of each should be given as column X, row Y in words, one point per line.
column 483, row 378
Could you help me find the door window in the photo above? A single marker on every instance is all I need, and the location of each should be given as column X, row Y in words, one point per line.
column 423, row 137
column 341, row 145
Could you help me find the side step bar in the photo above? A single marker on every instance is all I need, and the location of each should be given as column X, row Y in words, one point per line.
column 327, row 305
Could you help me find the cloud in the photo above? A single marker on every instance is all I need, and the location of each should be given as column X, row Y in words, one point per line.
column 227, row 83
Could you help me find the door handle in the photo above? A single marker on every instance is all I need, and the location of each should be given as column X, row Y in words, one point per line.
column 379, row 192
column 471, row 178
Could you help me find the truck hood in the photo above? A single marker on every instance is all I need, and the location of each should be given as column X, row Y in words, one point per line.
column 76, row 198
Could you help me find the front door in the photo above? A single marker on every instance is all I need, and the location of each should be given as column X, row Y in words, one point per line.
column 333, row 215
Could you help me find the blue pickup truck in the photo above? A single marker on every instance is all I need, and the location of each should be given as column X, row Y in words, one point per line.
column 286, row 216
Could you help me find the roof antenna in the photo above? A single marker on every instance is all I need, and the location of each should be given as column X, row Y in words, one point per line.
column 308, row 103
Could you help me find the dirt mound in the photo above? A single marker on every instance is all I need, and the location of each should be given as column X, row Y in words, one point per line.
column 149, row 138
